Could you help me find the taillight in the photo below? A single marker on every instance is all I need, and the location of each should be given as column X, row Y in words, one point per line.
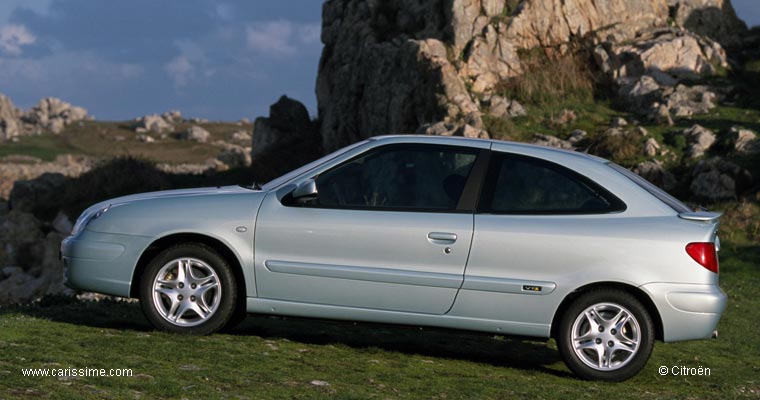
column 704, row 254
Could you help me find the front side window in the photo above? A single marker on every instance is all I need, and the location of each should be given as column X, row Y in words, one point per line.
column 519, row 184
column 400, row 177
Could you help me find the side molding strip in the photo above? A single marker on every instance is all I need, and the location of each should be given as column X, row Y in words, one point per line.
column 384, row 275
column 504, row 285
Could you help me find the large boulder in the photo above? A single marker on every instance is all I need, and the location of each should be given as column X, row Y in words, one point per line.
column 52, row 114
column 654, row 172
column 715, row 19
column 195, row 134
column 745, row 141
column 153, row 123
column 716, row 179
column 700, row 139
column 29, row 265
column 288, row 123
column 9, row 123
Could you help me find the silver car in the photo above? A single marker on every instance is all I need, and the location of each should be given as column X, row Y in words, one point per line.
column 489, row 236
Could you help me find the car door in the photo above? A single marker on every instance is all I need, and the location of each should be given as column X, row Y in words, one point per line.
column 389, row 229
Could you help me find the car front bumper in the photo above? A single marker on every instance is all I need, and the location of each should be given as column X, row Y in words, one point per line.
column 101, row 262
column 687, row 311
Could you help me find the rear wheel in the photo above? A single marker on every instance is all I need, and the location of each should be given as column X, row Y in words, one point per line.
column 188, row 289
column 606, row 335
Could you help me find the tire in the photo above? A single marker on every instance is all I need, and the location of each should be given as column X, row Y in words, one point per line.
column 613, row 323
column 201, row 302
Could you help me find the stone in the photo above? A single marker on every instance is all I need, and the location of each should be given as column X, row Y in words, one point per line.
column 716, row 179
column 145, row 138
column 288, row 123
column 172, row 116
column 654, row 172
column 62, row 224
column 552, row 141
column 242, row 136
column 651, row 147
column 715, row 19
column 39, row 196
column 576, row 136
column 235, row 156
column 700, row 139
column 9, row 119
column 154, row 123
column 618, row 122
column 196, row 134
column 745, row 141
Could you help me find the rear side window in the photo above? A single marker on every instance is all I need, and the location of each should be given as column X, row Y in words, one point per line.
column 519, row 184
column 660, row 194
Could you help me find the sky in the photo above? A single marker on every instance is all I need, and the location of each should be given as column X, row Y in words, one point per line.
column 222, row 60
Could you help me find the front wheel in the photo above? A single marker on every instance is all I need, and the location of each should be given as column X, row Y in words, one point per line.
column 606, row 335
column 188, row 289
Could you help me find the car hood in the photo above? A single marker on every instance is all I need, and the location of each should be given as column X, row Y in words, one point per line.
column 207, row 191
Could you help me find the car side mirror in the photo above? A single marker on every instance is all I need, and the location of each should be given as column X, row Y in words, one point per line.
column 305, row 191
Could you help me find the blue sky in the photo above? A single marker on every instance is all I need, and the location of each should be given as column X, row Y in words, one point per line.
column 222, row 60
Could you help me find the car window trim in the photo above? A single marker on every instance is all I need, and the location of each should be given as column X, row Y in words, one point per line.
column 617, row 205
column 473, row 183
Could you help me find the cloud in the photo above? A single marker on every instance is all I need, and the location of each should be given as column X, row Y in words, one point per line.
column 13, row 37
column 281, row 37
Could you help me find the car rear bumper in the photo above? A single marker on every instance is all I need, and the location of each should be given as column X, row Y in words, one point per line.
column 102, row 263
column 687, row 311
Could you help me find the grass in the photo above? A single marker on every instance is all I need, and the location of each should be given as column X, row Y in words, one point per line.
column 105, row 139
column 268, row 357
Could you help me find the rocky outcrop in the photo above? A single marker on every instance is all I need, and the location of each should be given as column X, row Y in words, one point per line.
column 153, row 123
column 655, row 172
column 22, row 168
column 715, row 19
column 9, row 118
column 716, row 179
column 700, row 139
column 395, row 66
column 29, row 265
column 49, row 115
column 52, row 115
column 745, row 141
column 195, row 134
column 288, row 123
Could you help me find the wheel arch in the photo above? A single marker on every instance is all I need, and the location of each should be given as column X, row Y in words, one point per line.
column 639, row 294
column 170, row 240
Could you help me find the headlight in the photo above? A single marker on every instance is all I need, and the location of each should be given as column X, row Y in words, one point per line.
column 86, row 218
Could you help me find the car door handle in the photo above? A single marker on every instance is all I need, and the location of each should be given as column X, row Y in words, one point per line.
column 442, row 237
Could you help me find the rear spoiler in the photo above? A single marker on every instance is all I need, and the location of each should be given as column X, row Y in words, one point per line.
column 700, row 216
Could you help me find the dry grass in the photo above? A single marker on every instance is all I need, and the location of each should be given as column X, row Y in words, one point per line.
column 549, row 78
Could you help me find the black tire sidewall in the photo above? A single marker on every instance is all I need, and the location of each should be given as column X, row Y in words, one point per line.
column 624, row 299
column 206, row 254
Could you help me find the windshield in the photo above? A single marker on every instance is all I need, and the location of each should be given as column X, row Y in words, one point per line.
column 655, row 191
column 292, row 174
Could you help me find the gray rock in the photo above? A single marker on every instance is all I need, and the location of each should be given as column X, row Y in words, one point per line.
column 651, row 147
column 196, row 134
column 700, row 140
column 242, row 136
column 715, row 19
column 235, row 156
column 716, row 179
column 154, row 123
column 576, row 136
column 452, row 129
column 654, row 172
column 618, row 122
column 552, row 141
column 288, row 123
column 39, row 196
column 145, row 138
column 745, row 141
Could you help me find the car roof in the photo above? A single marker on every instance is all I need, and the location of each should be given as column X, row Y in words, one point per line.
column 475, row 142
